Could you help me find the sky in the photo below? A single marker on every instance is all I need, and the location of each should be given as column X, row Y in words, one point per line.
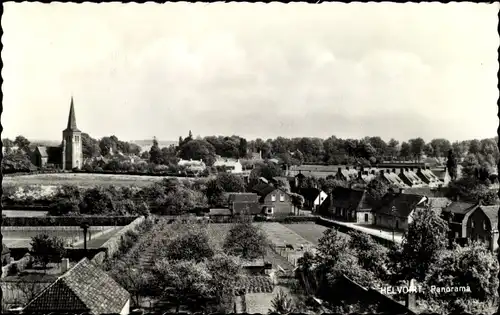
column 256, row 70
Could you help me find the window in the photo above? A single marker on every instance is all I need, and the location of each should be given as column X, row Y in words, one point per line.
column 484, row 226
column 273, row 198
column 341, row 211
column 77, row 138
column 269, row 210
column 366, row 217
column 375, row 219
column 282, row 197
column 472, row 224
column 397, row 224
column 457, row 235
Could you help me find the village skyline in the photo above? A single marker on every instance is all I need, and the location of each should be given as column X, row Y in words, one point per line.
column 349, row 71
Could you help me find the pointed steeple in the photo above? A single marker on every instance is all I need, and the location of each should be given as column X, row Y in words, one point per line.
column 72, row 118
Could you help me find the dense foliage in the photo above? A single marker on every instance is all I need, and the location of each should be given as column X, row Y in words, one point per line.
column 247, row 241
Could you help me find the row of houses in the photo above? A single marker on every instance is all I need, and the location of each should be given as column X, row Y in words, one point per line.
column 467, row 221
column 403, row 177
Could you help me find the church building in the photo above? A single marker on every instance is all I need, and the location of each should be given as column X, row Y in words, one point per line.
column 69, row 154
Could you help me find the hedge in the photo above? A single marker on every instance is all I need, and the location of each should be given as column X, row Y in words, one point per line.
column 68, row 221
column 112, row 245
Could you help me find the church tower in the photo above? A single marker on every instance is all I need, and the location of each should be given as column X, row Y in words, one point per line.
column 72, row 154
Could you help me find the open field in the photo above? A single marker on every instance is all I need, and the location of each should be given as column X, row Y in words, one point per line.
column 24, row 213
column 80, row 179
column 310, row 231
column 20, row 237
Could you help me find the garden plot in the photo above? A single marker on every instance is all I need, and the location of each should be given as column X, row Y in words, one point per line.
column 20, row 237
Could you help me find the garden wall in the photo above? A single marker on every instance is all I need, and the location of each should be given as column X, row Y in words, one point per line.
column 111, row 246
column 68, row 221
column 346, row 230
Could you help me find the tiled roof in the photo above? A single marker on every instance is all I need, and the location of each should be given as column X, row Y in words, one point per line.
column 404, row 204
column 254, row 284
column 315, row 168
column 84, row 288
column 492, row 214
column 394, row 180
column 349, row 198
column 43, row 151
column 220, row 211
column 460, row 207
column 309, row 193
column 250, row 208
column 439, row 202
column 243, row 197
column 263, row 189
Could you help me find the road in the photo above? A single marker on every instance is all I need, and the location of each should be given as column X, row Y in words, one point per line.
column 398, row 236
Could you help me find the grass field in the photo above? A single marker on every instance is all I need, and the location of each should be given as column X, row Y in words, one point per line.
column 20, row 237
column 310, row 231
column 82, row 180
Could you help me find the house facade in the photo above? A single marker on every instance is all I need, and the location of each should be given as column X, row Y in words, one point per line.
column 349, row 205
column 273, row 201
column 457, row 215
column 395, row 210
column 193, row 166
column 244, row 204
column 228, row 165
column 482, row 226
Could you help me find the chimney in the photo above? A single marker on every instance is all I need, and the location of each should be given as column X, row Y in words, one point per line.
column 411, row 297
column 419, row 169
column 480, row 202
column 360, row 174
column 373, row 172
column 394, row 170
column 347, row 167
column 64, row 265
column 388, row 171
column 402, row 171
column 365, row 172
column 340, row 169
column 401, row 190
column 381, row 172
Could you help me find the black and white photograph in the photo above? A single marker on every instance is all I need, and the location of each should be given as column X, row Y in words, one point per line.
column 250, row 158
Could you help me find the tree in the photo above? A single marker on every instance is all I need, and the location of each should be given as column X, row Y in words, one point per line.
column 183, row 282
column 215, row 193
column 230, row 182
column 393, row 148
column 474, row 147
column 198, row 150
column 371, row 255
column 225, row 272
column 282, row 304
column 90, row 146
column 246, row 241
column 193, row 245
column 22, row 143
column 440, row 147
column 8, row 144
column 96, row 200
column 47, row 249
column 426, row 236
column 472, row 266
column 451, row 165
column 243, row 148
column 135, row 279
column 377, row 189
column 155, row 153
column 417, row 146
column 405, row 151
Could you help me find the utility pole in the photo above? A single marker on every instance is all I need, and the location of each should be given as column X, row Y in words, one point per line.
column 85, row 227
column 393, row 210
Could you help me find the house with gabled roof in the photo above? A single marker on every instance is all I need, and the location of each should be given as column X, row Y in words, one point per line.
column 346, row 174
column 228, row 165
column 313, row 197
column 482, row 226
column 273, row 201
column 410, row 178
column 395, row 210
column 347, row 204
column 244, row 204
column 85, row 288
column 428, row 177
column 392, row 179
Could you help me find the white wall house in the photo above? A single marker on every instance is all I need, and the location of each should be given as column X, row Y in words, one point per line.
column 193, row 165
column 231, row 165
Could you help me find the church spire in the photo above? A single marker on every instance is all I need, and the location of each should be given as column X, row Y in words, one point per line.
column 72, row 118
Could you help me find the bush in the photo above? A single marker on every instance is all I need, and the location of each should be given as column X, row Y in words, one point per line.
column 68, row 221
column 13, row 270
